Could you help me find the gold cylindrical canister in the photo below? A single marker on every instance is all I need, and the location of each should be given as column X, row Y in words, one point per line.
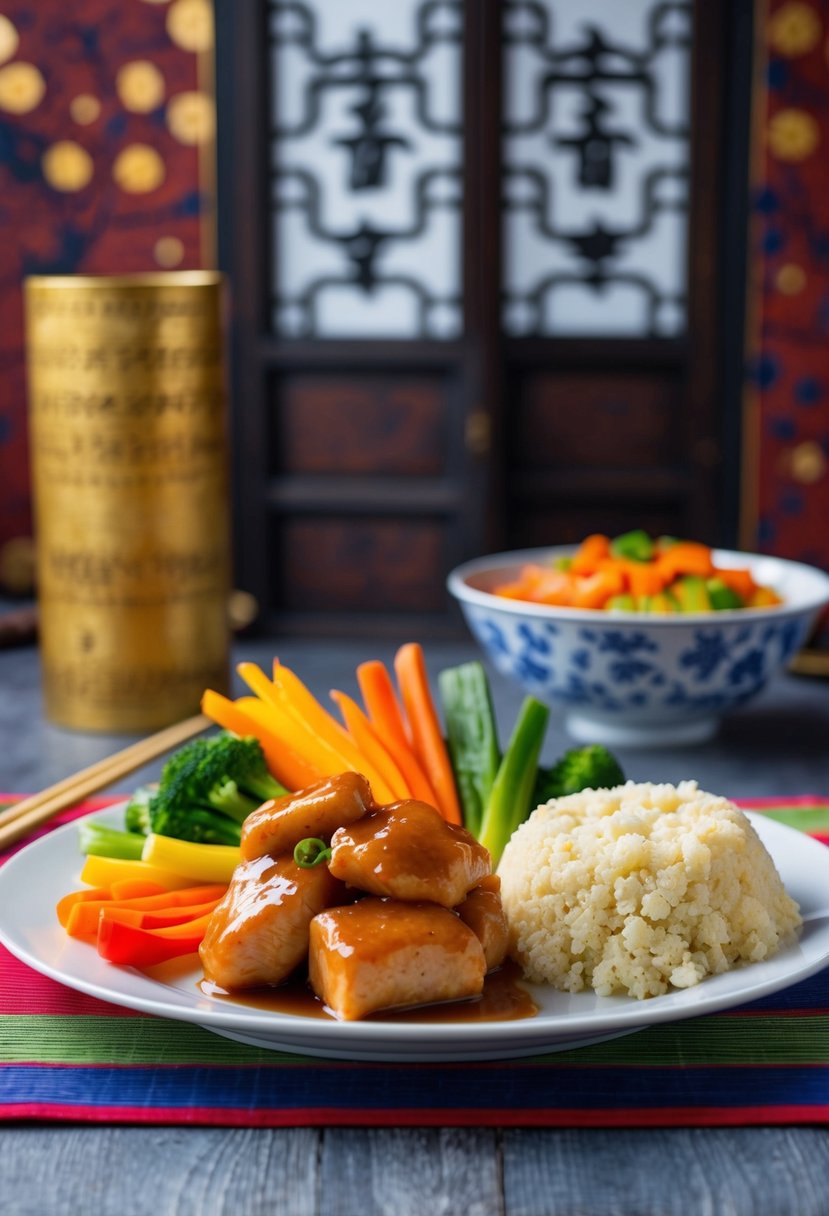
column 129, row 461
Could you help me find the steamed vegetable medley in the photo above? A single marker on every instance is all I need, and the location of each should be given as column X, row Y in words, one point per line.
column 289, row 833
column 637, row 573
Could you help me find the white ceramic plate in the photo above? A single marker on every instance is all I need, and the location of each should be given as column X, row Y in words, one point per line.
column 33, row 881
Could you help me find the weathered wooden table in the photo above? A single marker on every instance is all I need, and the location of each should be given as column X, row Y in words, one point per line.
column 778, row 746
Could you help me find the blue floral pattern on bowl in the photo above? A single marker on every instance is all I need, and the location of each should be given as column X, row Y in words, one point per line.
column 622, row 669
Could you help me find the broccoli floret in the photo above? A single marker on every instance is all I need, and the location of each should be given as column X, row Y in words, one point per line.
column 207, row 789
column 581, row 768
column 170, row 816
column 225, row 772
column 137, row 814
column 242, row 761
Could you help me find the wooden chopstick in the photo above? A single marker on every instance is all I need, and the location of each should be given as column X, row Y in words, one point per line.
column 32, row 812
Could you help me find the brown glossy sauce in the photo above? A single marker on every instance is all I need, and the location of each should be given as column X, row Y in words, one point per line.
column 503, row 999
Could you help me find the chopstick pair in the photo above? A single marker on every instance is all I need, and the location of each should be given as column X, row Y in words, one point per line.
column 33, row 812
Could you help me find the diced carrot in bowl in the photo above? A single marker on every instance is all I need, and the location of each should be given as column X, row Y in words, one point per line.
column 591, row 552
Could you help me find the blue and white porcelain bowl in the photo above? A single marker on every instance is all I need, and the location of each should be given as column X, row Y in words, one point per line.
column 639, row 679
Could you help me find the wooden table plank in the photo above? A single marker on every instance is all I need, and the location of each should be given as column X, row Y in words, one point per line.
column 410, row 1172
column 673, row 1172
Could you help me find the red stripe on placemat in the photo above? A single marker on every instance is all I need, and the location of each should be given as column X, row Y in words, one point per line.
column 75, row 812
column 23, row 990
column 679, row 1116
column 793, row 800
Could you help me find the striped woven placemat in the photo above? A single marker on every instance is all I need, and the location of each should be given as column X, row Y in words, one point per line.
column 67, row 1056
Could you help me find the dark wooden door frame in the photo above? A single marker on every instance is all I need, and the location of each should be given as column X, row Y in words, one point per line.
column 476, row 363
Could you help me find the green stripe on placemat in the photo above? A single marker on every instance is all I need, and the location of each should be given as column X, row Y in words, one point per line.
column 78, row 1039
column 714, row 1039
column 804, row 818
column 711, row 1040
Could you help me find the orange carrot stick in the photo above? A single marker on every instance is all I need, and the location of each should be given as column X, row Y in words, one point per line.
column 84, row 916
column 249, row 716
column 370, row 743
column 132, row 888
column 68, row 902
column 384, row 714
column 413, row 681
column 162, row 919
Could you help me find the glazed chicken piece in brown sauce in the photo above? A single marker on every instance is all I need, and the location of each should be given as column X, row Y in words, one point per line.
column 384, row 954
column 258, row 933
column 407, row 851
column 319, row 810
column 483, row 912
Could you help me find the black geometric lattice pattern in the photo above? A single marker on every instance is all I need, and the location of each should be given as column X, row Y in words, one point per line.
column 371, row 198
column 598, row 71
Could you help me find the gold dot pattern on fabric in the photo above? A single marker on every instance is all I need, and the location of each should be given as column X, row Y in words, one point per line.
column 9, row 39
column 21, row 88
column 140, row 86
column 807, row 463
column 168, row 251
column 790, row 279
column 793, row 135
column 190, row 24
column 794, row 29
column 191, row 118
column 85, row 109
column 67, row 166
column 138, row 169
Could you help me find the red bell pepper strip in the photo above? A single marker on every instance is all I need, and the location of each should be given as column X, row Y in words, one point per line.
column 133, row 947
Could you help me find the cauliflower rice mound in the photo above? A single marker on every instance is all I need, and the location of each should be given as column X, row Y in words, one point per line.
column 640, row 889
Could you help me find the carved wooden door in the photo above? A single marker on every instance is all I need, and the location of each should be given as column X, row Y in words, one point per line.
column 474, row 248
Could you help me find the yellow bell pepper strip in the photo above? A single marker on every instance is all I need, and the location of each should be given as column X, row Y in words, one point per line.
column 368, row 741
column 82, row 920
column 250, row 716
column 384, row 714
column 294, row 732
column 130, row 946
column 104, row 871
column 427, row 736
column 310, row 729
column 200, row 862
